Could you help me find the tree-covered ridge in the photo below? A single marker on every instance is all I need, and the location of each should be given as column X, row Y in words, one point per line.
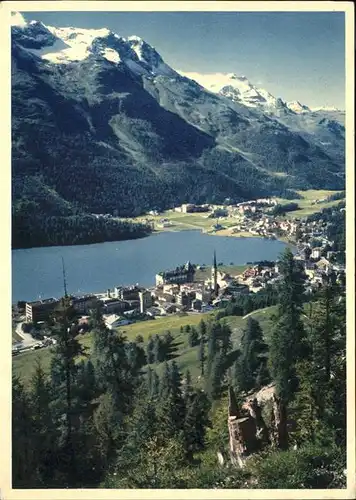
column 97, row 137
column 113, row 419
column 31, row 227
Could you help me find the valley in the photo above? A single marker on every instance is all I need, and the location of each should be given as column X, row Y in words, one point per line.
column 179, row 261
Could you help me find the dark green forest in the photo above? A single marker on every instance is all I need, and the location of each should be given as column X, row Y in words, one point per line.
column 31, row 227
column 111, row 419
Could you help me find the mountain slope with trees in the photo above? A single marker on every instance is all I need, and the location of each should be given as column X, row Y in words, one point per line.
column 99, row 136
column 106, row 418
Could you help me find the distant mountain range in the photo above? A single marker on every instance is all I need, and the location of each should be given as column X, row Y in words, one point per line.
column 100, row 123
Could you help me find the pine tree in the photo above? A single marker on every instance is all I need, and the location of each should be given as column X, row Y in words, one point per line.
column 187, row 384
column 24, row 466
column 286, row 341
column 108, row 421
column 155, row 391
column 214, row 382
column 247, row 305
column 66, row 352
column 171, row 410
column 116, row 366
column 226, row 343
column 195, row 423
column 213, row 346
column 158, row 349
column 44, row 427
column 193, row 337
column 165, row 381
column 202, row 328
column 149, row 380
column 317, row 396
column 249, row 363
column 149, row 351
column 201, row 355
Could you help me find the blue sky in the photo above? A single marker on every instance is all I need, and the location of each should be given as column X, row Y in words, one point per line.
column 293, row 55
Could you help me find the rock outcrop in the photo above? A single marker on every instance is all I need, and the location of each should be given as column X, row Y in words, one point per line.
column 247, row 429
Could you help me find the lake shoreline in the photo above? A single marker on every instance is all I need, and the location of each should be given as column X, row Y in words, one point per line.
column 240, row 234
column 37, row 272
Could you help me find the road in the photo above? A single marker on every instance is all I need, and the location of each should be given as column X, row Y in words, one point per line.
column 253, row 312
column 27, row 339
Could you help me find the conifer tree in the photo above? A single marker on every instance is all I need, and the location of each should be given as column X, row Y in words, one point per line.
column 66, row 351
column 214, row 382
column 286, row 342
column 149, row 351
column 201, row 355
column 187, row 384
column 193, row 337
column 155, row 390
column 226, row 343
column 24, row 467
column 202, row 328
column 165, row 381
column 196, row 422
column 44, row 425
column 116, row 366
column 172, row 407
column 149, row 380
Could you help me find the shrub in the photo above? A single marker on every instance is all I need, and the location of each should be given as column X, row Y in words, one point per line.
column 308, row 467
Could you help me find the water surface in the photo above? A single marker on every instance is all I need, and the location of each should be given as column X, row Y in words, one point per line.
column 37, row 272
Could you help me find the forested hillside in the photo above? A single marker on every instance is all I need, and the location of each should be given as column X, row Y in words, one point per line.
column 127, row 134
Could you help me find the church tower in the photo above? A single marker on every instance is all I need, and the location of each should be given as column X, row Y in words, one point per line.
column 214, row 275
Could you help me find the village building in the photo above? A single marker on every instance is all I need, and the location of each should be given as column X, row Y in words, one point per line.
column 235, row 289
column 128, row 292
column 153, row 311
column 146, row 301
column 112, row 305
column 203, row 294
column 181, row 274
column 40, row 310
column 84, row 304
column 114, row 321
column 316, row 253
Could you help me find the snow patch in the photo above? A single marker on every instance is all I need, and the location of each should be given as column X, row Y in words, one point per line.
column 297, row 107
column 17, row 19
column 237, row 88
column 111, row 55
column 325, row 108
column 77, row 43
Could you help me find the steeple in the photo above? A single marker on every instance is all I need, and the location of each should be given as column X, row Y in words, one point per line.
column 214, row 275
column 64, row 279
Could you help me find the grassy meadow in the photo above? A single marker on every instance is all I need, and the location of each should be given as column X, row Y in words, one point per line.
column 186, row 357
column 181, row 221
column 306, row 206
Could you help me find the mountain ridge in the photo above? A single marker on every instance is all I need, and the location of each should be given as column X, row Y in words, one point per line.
column 144, row 136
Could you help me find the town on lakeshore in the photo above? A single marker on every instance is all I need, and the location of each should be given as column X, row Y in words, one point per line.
column 194, row 288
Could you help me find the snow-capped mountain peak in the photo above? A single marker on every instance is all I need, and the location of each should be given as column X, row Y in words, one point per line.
column 237, row 88
column 326, row 108
column 297, row 107
column 69, row 44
